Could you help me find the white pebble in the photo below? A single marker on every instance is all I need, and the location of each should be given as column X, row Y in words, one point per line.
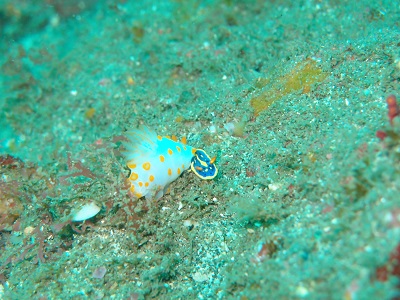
column 87, row 211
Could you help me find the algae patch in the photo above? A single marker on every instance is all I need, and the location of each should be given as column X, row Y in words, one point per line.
column 301, row 77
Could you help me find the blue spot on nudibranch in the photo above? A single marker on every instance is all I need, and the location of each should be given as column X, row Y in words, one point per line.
column 203, row 166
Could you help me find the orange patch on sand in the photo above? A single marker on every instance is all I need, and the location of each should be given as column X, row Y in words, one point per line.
column 300, row 78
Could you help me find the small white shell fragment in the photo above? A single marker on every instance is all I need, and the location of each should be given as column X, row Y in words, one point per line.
column 301, row 291
column 189, row 223
column 230, row 127
column 200, row 277
column 274, row 186
column 28, row 231
column 87, row 211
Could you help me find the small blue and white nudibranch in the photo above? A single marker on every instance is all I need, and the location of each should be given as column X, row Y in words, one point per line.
column 156, row 161
column 203, row 166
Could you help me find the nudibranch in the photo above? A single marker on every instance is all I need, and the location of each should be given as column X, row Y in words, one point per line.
column 155, row 161
column 202, row 165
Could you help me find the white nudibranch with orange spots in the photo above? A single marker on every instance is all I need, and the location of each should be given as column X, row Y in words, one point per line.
column 156, row 161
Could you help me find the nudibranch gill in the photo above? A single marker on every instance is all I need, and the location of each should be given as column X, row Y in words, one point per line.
column 155, row 161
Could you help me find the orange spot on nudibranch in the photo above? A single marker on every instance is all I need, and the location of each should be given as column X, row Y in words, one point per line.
column 169, row 171
column 159, row 137
column 146, row 184
column 131, row 166
column 170, row 151
column 179, row 171
column 178, row 148
column 151, row 178
column 162, row 158
column 174, row 138
column 140, row 183
column 194, row 151
column 213, row 160
column 133, row 176
column 146, row 166
column 183, row 140
column 132, row 188
column 138, row 195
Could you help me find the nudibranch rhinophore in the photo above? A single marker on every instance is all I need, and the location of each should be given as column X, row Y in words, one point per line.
column 156, row 161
